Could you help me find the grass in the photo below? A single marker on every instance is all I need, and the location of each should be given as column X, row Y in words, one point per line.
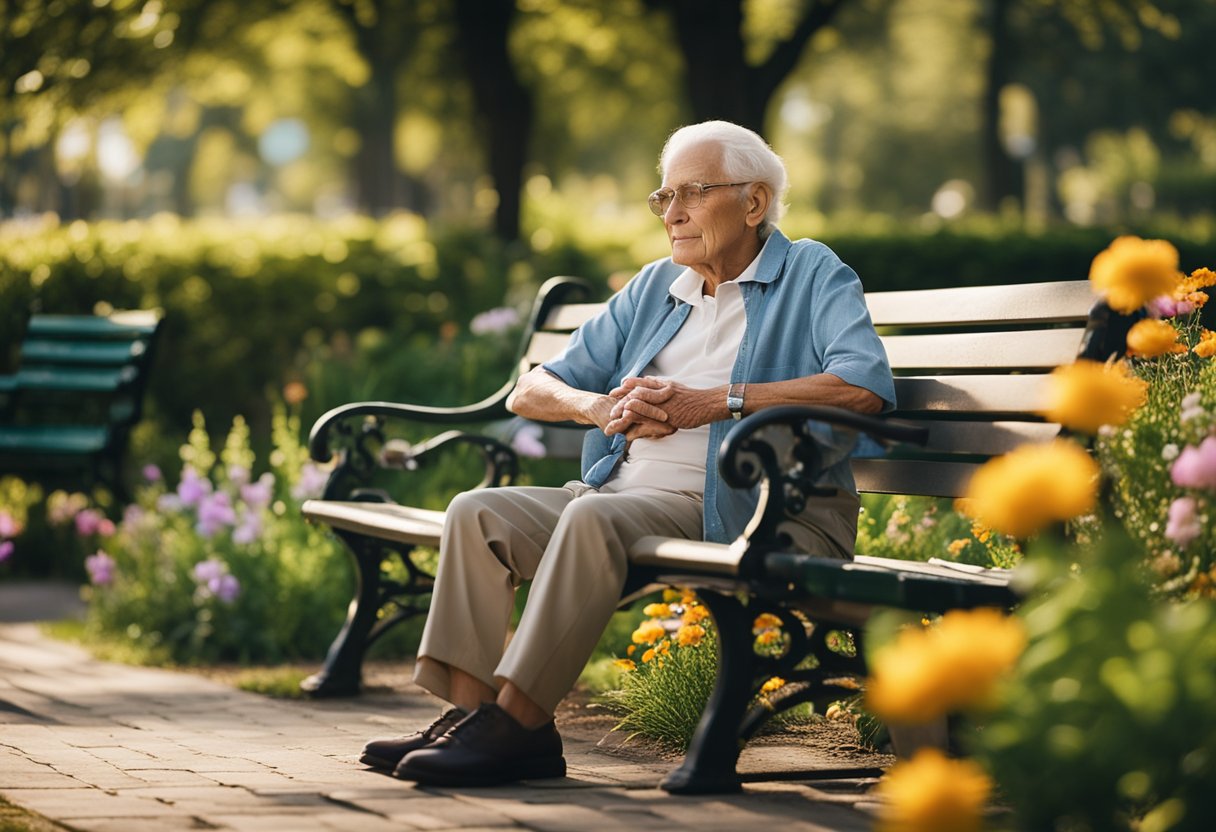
column 15, row 819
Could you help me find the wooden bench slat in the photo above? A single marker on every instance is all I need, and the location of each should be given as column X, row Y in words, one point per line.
column 99, row 353
column 386, row 521
column 571, row 316
column 52, row 439
column 912, row 476
column 969, row 305
column 1038, row 350
column 544, row 346
column 982, row 438
column 131, row 323
column 995, row 394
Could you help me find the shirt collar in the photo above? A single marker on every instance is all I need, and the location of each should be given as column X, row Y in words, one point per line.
column 687, row 287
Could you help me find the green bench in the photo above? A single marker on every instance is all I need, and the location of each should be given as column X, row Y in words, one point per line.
column 970, row 366
column 68, row 410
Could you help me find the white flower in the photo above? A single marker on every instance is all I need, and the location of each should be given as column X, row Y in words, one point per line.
column 1190, row 400
column 1170, row 452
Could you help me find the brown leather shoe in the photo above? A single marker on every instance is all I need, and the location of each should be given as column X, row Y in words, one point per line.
column 486, row 748
column 385, row 753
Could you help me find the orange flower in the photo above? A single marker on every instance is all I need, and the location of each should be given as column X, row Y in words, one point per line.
column 690, row 635
column 649, row 632
column 765, row 620
column 1206, row 347
column 933, row 793
column 774, row 684
column 928, row 672
column 1150, row 338
column 1087, row 395
column 957, row 546
column 1132, row 271
column 694, row 615
column 648, row 656
column 767, row 637
column 1024, row 490
column 625, row 664
column 657, row 611
column 1199, row 279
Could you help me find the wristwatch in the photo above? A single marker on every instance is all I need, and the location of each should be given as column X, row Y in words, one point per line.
column 734, row 399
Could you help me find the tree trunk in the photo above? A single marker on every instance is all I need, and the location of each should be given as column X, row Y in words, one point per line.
column 1000, row 175
column 504, row 105
column 720, row 82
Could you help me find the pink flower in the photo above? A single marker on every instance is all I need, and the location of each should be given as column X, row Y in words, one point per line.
column 215, row 512
column 312, row 482
column 9, row 527
column 248, row 530
column 226, row 588
column 1184, row 524
column 88, row 522
column 527, row 441
column 209, row 570
column 152, row 473
column 494, row 321
column 1196, row 467
column 257, row 495
column 6, row 550
column 100, row 567
column 193, row 488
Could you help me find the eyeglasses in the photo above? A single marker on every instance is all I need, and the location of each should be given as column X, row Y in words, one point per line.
column 690, row 195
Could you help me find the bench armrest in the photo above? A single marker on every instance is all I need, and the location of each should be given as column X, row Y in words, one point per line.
column 778, row 449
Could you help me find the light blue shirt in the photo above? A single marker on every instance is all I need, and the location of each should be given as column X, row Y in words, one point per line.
column 806, row 315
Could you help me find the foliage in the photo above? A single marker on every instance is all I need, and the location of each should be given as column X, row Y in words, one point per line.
column 1167, row 510
column 919, row 528
column 1108, row 717
column 223, row 568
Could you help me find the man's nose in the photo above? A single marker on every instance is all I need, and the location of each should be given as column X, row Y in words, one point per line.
column 676, row 212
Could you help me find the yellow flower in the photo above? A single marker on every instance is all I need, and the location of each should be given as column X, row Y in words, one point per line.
column 1150, row 338
column 1021, row 492
column 649, row 632
column 690, row 635
column 928, row 672
column 657, row 610
column 1132, row 271
column 765, row 620
column 625, row 664
column 1206, row 347
column 768, row 637
column 670, row 595
column 630, row 649
column 774, row 684
column 694, row 615
column 933, row 793
column 648, row 656
column 1088, row 394
column 957, row 546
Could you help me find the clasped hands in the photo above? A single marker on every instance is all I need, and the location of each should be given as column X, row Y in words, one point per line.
column 646, row 407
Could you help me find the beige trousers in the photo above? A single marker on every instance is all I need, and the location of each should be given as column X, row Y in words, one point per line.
column 573, row 543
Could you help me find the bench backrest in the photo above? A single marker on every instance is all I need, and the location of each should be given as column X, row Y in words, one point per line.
column 67, row 359
column 970, row 363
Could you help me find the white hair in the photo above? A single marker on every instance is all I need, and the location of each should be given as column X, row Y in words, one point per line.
column 746, row 157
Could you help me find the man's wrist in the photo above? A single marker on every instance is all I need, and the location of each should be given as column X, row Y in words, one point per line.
column 734, row 399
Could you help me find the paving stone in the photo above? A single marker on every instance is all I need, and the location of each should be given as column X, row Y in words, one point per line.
column 169, row 823
column 19, row 772
column 68, row 804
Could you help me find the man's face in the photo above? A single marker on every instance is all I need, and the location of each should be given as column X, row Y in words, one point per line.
column 715, row 238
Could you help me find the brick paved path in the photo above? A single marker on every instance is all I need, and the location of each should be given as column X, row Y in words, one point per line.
column 104, row 747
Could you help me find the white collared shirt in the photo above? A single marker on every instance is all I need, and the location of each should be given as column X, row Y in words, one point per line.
column 701, row 354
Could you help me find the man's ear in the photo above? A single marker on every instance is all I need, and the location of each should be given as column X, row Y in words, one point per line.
column 759, row 198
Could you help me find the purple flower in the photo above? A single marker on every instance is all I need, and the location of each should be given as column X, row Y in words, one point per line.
column 312, row 482
column 527, row 441
column 193, row 488
column 494, row 321
column 6, row 550
column 133, row 514
column 248, row 530
column 89, row 522
column 257, row 495
column 9, row 527
column 1183, row 526
column 238, row 474
column 226, row 588
column 215, row 513
column 208, row 570
column 152, row 473
column 1196, row 467
column 100, row 567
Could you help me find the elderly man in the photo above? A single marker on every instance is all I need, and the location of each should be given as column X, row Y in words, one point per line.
column 737, row 319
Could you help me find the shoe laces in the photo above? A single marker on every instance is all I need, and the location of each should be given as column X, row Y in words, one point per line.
column 446, row 722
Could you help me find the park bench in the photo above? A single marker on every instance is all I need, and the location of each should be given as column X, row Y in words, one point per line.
column 970, row 366
column 77, row 392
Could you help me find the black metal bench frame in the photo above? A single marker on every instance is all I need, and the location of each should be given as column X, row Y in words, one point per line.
column 966, row 409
